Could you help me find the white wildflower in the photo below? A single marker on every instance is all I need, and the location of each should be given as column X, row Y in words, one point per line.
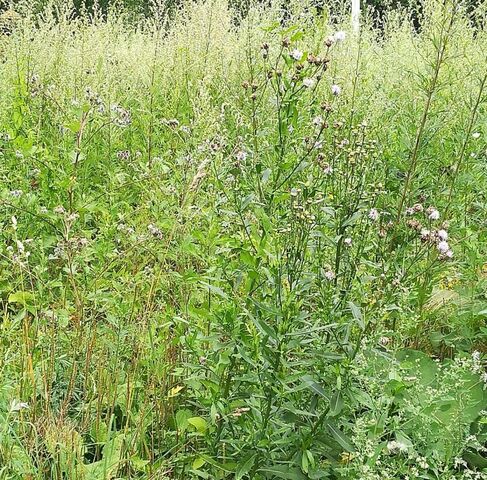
column 336, row 90
column 476, row 135
column 425, row 234
column 374, row 214
column 318, row 120
column 330, row 275
column 433, row 213
column 59, row 210
column 327, row 169
column 442, row 234
column 339, row 36
column 297, row 54
column 396, row 447
column 241, row 156
column 308, row 82
column 443, row 247
column 20, row 247
column 154, row 231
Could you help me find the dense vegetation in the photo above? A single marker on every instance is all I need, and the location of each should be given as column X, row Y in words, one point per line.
column 251, row 249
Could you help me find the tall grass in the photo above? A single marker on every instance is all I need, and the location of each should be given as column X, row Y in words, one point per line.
column 243, row 246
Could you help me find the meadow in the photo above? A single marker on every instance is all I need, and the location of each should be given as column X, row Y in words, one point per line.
column 243, row 244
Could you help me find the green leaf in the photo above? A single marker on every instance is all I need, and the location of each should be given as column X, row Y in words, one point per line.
column 264, row 328
column 314, row 386
column 284, row 472
column 244, row 467
column 341, row 438
column 357, row 314
column 199, row 423
column 198, row 462
column 216, row 290
column 336, row 404
column 24, row 298
column 475, row 460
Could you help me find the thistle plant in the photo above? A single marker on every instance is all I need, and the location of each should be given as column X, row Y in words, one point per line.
column 243, row 244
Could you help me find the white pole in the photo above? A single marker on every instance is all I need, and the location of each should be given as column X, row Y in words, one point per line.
column 355, row 15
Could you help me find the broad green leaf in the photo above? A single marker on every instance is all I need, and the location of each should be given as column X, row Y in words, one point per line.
column 199, row 423
column 21, row 297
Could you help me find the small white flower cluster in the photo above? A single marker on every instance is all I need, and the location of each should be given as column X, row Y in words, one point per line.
column 330, row 275
column 123, row 154
column 122, row 117
column 122, row 227
column 374, row 214
column 395, row 447
column 94, row 99
column 318, row 121
column 337, row 37
column 16, row 193
column 433, row 213
column 336, row 90
column 75, row 244
column 437, row 237
column 34, row 84
column 154, row 231
column 416, row 208
column 241, row 156
column 21, row 255
column 296, row 54
column 34, row 173
column 59, row 210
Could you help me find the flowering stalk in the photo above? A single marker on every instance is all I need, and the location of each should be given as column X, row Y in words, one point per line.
column 445, row 32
